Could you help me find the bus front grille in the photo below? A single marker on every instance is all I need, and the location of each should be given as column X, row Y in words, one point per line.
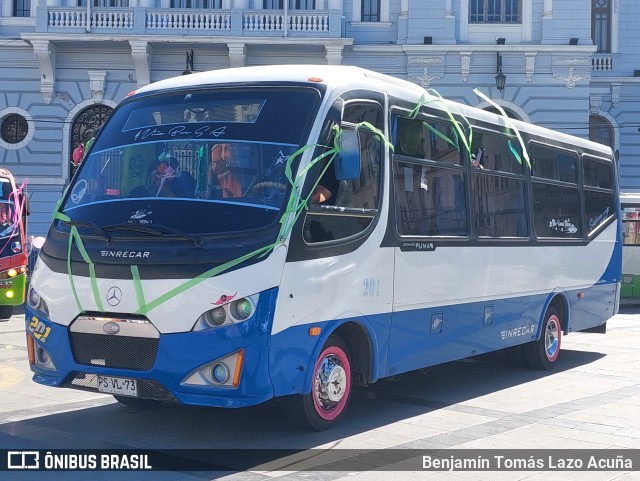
column 121, row 352
column 147, row 389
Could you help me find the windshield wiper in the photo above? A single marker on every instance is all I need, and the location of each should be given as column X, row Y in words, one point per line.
column 155, row 229
column 90, row 225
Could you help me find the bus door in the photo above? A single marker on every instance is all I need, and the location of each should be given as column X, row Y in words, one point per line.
column 430, row 202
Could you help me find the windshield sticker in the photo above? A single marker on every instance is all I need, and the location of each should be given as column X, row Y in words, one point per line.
column 180, row 131
column 140, row 214
column 79, row 191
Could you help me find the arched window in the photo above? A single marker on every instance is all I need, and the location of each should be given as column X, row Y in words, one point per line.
column 600, row 130
column 85, row 125
column 510, row 114
column 601, row 24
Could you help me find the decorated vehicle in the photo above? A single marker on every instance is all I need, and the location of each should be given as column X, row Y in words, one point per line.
column 295, row 231
column 13, row 246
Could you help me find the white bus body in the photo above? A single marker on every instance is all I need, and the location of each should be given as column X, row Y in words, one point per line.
column 159, row 282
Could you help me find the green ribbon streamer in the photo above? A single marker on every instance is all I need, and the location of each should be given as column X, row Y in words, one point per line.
column 515, row 153
column 295, row 207
column 507, row 121
column 465, row 141
column 441, row 135
column 74, row 236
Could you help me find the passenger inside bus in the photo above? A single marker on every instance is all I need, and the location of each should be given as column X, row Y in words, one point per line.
column 410, row 138
column 222, row 182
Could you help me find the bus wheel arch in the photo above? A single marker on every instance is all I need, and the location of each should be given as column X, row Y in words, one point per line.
column 357, row 340
column 331, row 387
column 344, row 361
column 543, row 353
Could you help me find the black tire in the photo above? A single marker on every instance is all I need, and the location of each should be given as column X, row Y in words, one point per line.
column 543, row 354
column 6, row 312
column 328, row 401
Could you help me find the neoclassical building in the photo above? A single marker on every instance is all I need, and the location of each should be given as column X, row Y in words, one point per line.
column 571, row 65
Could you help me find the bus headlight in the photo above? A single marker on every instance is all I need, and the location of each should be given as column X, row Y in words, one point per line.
column 230, row 313
column 36, row 302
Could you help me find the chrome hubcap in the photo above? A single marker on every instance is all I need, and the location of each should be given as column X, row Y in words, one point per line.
column 331, row 382
column 551, row 338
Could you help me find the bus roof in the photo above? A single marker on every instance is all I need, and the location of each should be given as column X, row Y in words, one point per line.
column 356, row 77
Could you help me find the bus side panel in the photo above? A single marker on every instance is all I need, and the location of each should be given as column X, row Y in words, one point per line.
column 430, row 336
column 592, row 310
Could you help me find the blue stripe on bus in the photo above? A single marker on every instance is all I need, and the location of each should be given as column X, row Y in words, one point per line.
column 281, row 364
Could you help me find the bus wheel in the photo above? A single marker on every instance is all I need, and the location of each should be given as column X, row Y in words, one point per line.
column 543, row 353
column 330, row 390
column 6, row 312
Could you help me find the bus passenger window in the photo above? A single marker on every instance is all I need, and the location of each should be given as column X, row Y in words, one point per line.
column 556, row 211
column 430, row 201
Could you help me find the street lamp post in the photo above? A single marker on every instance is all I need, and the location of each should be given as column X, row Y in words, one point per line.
column 500, row 77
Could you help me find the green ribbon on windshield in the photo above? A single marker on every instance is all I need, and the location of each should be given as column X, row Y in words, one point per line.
column 295, row 207
column 74, row 236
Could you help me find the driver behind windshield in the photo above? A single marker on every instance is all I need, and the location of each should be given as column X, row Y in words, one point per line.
column 222, row 182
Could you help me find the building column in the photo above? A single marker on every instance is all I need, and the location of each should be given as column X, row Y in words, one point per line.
column 237, row 54
column 243, row 4
column 337, row 5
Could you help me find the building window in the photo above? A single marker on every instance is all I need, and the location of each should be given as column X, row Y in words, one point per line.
column 21, row 8
column 600, row 130
column 105, row 3
column 293, row 4
column 14, row 129
column 85, row 126
column 370, row 11
column 494, row 11
column 196, row 4
column 601, row 24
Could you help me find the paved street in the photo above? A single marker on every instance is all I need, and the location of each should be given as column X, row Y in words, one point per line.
column 592, row 401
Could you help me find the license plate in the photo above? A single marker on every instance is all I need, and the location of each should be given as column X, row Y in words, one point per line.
column 118, row 385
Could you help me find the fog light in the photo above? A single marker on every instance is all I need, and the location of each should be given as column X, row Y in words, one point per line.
column 220, row 373
column 10, row 294
column 42, row 356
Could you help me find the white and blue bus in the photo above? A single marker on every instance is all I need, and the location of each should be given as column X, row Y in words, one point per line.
column 296, row 231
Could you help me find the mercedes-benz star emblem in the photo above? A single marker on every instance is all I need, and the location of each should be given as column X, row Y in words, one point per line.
column 114, row 296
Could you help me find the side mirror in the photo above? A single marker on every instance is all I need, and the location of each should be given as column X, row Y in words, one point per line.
column 347, row 162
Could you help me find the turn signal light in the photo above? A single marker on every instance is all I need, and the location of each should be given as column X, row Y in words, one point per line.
column 31, row 349
column 238, row 371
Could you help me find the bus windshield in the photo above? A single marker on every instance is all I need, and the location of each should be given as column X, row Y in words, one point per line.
column 202, row 161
